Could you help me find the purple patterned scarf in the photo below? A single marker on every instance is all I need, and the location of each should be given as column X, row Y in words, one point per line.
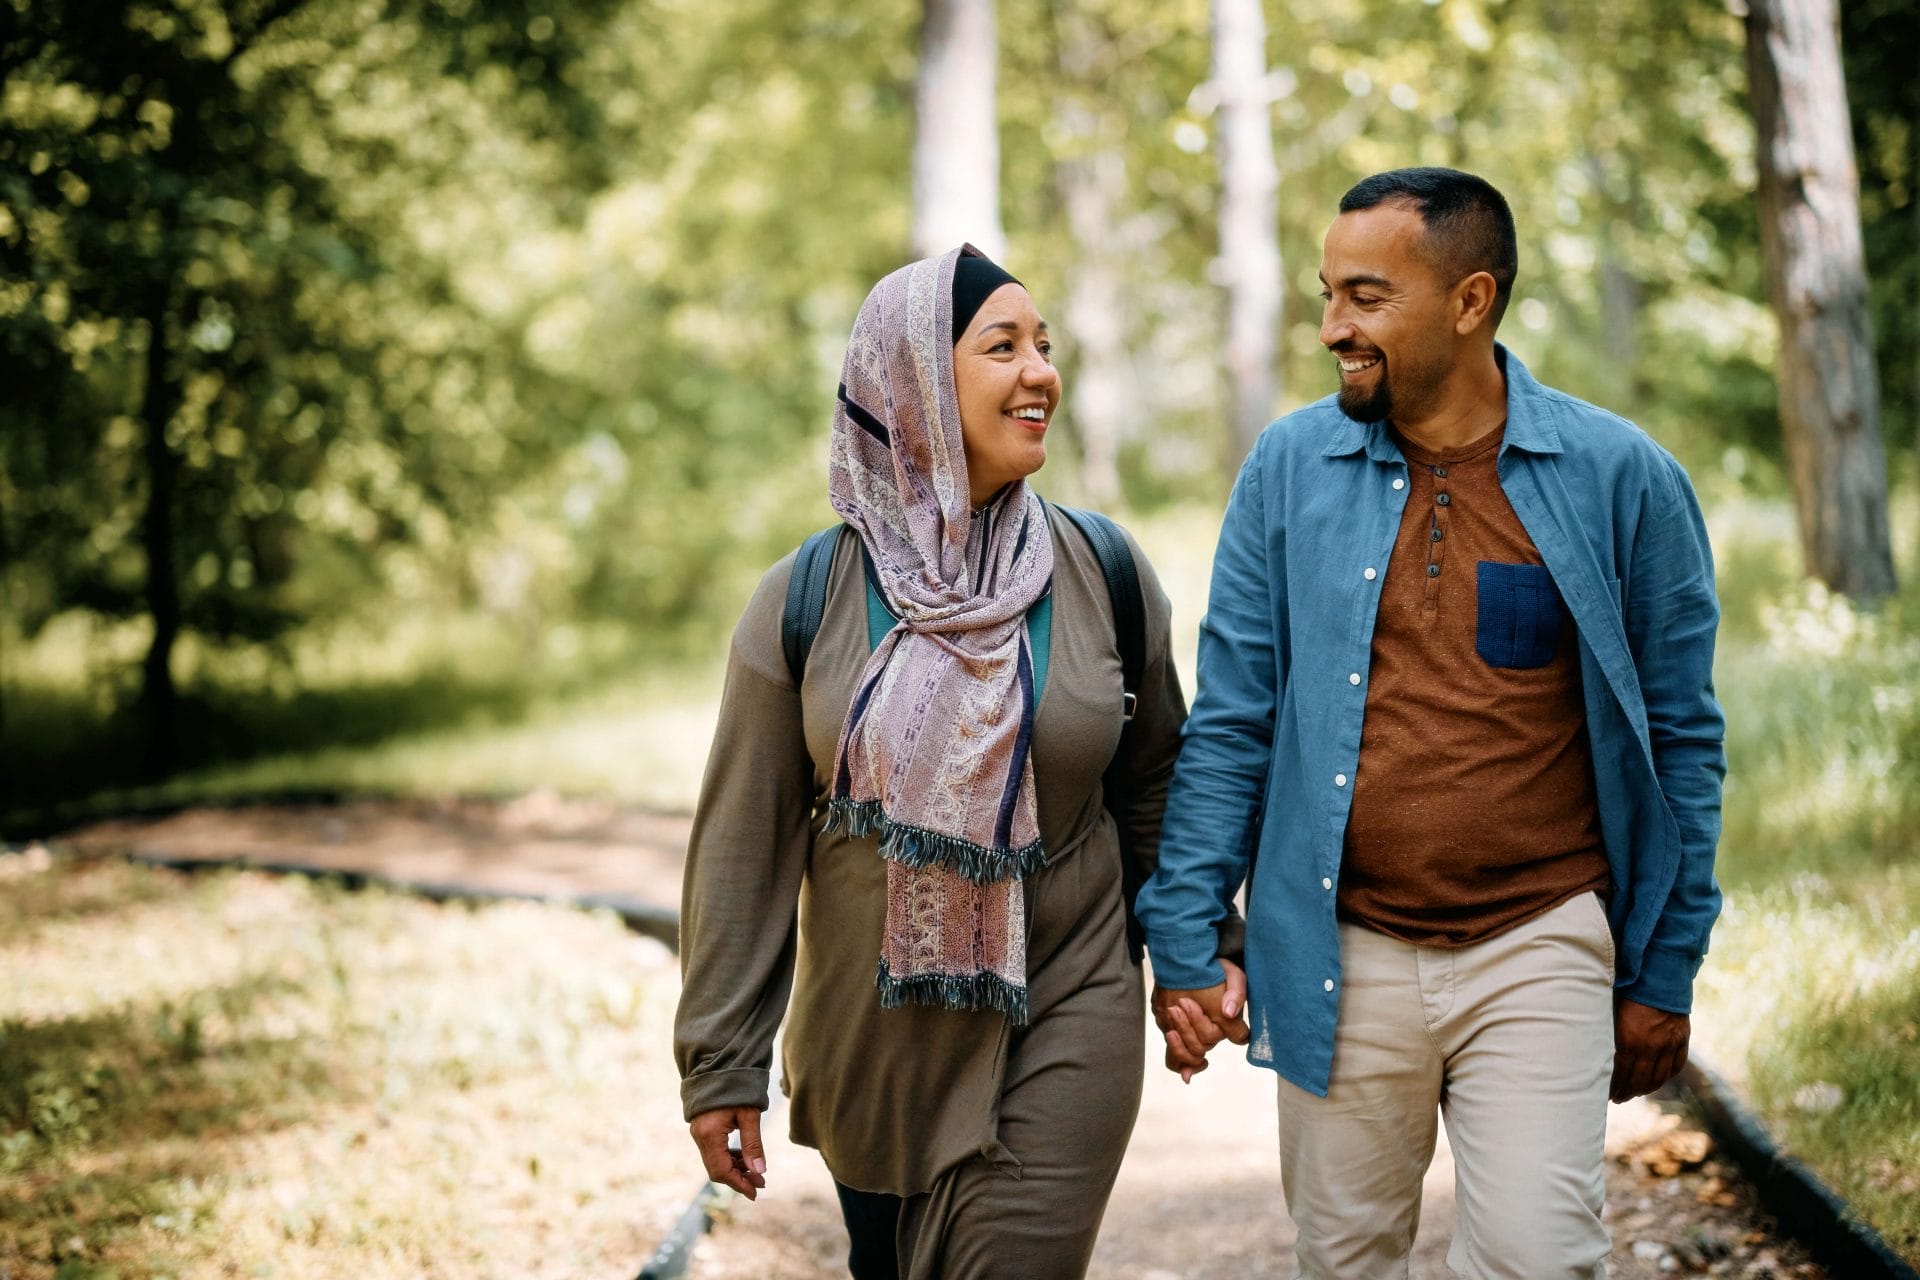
column 935, row 757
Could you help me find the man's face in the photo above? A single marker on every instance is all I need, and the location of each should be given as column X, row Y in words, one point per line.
column 1386, row 318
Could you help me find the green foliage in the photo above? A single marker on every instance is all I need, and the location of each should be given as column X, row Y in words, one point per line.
column 493, row 306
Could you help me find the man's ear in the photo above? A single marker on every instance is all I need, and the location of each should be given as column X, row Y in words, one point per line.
column 1473, row 300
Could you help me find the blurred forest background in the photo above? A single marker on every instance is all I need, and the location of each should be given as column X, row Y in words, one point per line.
column 404, row 395
column 371, row 363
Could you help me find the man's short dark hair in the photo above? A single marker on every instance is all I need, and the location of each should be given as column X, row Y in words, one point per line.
column 1469, row 227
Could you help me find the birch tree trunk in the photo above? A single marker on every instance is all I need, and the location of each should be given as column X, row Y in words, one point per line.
column 1104, row 407
column 956, row 145
column 1249, row 233
column 1810, row 229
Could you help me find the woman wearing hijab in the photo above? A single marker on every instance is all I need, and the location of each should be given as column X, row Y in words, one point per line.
column 912, row 843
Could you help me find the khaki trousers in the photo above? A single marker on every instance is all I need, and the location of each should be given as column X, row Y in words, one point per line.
column 1511, row 1041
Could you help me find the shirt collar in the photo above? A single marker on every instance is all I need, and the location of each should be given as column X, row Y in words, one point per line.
column 1530, row 423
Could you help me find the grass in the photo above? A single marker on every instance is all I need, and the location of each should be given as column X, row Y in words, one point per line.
column 1811, row 996
column 238, row 1075
column 432, row 706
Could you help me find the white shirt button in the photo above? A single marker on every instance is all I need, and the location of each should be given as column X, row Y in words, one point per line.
column 1369, row 573
column 1328, row 984
column 1398, row 483
column 1353, row 678
column 1339, row 779
column 1325, row 883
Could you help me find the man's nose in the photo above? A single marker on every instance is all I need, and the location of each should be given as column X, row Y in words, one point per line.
column 1334, row 327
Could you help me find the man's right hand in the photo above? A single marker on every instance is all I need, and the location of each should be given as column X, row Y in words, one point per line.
column 744, row 1170
column 1194, row 1021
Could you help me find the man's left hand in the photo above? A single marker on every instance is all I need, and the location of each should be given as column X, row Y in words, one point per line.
column 1649, row 1048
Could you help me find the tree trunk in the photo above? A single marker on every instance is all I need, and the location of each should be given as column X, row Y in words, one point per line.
column 1621, row 296
column 1092, row 178
column 158, row 699
column 1249, row 234
column 956, row 146
column 1810, row 229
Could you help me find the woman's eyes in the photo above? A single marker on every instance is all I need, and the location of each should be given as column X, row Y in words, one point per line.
column 1045, row 348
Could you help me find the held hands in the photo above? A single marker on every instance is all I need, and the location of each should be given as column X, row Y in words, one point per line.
column 1195, row 1021
column 1649, row 1048
column 744, row 1170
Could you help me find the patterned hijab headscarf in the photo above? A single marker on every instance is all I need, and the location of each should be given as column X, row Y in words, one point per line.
column 936, row 754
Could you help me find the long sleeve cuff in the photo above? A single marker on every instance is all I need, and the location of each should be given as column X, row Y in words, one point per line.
column 1186, row 962
column 1233, row 939
column 1665, row 981
column 731, row 1087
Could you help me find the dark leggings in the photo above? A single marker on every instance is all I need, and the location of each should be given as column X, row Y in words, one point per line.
column 872, row 1219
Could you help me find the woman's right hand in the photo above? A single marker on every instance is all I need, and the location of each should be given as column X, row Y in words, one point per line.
column 744, row 1170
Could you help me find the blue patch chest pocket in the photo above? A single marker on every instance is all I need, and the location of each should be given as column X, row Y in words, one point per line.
column 1521, row 615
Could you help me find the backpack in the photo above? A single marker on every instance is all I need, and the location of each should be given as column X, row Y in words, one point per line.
column 807, row 601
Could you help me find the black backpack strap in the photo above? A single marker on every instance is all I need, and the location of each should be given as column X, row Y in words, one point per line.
column 807, row 598
column 1123, row 588
column 1130, row 638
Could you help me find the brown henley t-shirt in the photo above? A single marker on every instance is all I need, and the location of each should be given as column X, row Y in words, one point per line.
column 1473, row 804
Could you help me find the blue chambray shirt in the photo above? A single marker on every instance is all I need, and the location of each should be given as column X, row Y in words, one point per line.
column 1270, row 748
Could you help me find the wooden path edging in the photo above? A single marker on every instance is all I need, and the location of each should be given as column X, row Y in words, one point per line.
column 1807, row 1209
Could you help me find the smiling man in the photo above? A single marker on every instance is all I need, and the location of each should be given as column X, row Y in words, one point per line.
column 1456, row 733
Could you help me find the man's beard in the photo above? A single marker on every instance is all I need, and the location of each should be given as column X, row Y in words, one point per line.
column 1369, row 406
column 1420, row 383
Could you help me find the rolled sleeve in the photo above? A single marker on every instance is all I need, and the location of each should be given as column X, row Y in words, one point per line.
column 740, row 896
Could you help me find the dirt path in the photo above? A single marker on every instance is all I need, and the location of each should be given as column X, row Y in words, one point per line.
column 1199, row 1194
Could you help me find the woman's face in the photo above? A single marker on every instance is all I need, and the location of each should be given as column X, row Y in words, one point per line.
column 1008, row 388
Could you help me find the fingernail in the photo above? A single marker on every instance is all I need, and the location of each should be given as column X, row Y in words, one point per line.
column 760, row 1167
column 1230, row 1006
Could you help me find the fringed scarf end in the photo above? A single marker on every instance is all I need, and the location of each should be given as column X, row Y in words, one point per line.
column 917, row 847
column 855, row 818
column 954, row 991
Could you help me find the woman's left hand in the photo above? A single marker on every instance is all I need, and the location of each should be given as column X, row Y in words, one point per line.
column 744, row 1170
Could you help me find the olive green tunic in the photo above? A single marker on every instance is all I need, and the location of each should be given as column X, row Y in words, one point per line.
column 986, row 1125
